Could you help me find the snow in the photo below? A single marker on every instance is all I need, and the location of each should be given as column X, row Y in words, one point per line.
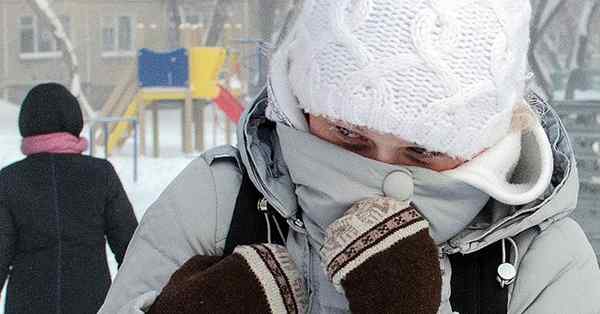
column 154, row 173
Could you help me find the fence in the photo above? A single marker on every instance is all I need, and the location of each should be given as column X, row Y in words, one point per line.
column 106, row 122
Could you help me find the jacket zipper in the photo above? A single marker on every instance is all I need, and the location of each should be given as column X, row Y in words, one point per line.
column 295, row 223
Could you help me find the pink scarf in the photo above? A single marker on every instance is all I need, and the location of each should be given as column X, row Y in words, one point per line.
column 54, row 143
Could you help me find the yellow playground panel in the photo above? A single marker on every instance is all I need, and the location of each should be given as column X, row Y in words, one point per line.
column 205, row 66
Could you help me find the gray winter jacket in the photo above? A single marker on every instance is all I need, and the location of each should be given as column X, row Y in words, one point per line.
column 557, row 268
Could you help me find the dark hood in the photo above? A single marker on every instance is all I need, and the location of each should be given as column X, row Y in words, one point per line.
column 50, row 108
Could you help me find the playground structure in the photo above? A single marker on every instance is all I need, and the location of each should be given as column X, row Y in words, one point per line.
column 186, row 77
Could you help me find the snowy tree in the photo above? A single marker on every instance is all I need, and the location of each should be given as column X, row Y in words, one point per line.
column 560, row 40
column 215, row 30
column 45, row 13
column 577, row 59
column 544, row 12
column 174, row 8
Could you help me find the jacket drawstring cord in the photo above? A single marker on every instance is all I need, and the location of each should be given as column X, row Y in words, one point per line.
column 268, row 228
column 507, row 271
column 279, row 230
column 263, row 207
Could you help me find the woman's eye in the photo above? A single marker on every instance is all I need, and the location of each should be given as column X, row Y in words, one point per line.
column 424, row 153
column 347, row 133
column 417, row 150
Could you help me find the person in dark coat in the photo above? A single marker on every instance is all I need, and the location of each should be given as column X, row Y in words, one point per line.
column 57, row 209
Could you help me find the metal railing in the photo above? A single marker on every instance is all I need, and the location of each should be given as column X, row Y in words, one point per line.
column 105, row 122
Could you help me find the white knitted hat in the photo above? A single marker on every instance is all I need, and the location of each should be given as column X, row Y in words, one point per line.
column 443, row 74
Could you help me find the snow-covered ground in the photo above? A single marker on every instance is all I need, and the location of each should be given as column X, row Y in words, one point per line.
column 154, row 173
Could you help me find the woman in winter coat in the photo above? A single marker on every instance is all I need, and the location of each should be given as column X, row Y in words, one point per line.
column 399, row 165
column 57, row 209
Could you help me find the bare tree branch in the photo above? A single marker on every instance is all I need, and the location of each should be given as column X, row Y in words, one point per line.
column 175, row 19
column 550, row 52
column 545, row 12
column 215, row 31
column 581, row 33
column 43, row 11
column 576, row 62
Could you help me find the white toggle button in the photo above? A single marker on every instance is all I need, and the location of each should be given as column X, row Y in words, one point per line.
column 507, row 272
column 399, row 185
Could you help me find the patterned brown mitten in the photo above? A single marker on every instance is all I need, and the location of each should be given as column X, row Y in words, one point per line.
column 381, row 256
column 254, row 279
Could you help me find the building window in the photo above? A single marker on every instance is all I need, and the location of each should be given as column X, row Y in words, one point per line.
column 125, row 34
column 195, row 15
column 193, row 19
column 108, row 34
column 27, row 34
column 196, row 19
column 37, row 39
column 117, row 35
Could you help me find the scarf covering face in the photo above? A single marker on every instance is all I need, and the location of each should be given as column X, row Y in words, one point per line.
column 54, row 143
column 330, row 179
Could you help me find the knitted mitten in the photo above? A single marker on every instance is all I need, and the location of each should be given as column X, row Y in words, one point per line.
column 254, row 279
column 381, row 256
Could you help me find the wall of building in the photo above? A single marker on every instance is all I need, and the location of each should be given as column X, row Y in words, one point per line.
column 99, row 70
